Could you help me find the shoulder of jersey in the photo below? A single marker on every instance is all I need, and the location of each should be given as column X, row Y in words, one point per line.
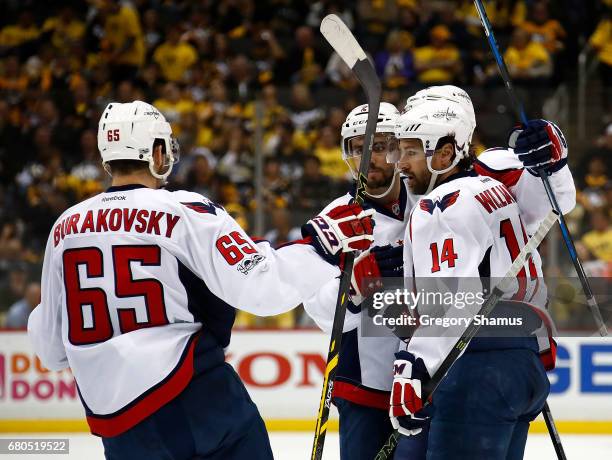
column 194, row 203
column 455, row 197
column 498, row 159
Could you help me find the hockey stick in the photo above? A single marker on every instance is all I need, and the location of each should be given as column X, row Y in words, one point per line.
column 567, row 237
column 344, row 43
column 485, row 310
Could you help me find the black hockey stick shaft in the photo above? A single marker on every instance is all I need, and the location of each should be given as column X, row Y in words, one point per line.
column 487, row 307
column 567, row 237
column 553, row 432
column 343, row 42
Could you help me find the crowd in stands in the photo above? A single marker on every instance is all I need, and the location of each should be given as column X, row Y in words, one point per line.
column 204, row 63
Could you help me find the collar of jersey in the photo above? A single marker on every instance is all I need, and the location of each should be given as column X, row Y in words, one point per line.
column 458, row 175
column 123, row 188
column 379, row 208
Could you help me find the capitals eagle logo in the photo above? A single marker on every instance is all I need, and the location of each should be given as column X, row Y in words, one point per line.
column 447, row 200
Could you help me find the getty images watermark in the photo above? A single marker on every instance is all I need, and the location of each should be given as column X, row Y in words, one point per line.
column 446, row 306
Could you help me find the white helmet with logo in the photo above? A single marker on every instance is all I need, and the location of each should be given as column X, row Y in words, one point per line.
column 353, row 130
column 128, row 131
column 355, row 124
column 445, row 92
column 431, row 121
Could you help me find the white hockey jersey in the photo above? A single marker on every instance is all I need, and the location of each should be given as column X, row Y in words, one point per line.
column 526, row 188
column 366, row 362
column 139, row 288
column 364, row 370
column 469, row 227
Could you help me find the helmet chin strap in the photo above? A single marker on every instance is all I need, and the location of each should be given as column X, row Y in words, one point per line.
column 389, row 189
column 435, row 173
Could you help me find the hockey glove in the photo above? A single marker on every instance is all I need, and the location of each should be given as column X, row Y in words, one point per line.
column 539, row 145
column 345, row 228
column 372, row 265
column 409, row 377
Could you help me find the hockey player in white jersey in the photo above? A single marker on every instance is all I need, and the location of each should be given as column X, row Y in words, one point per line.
column 362, row 388
column 470, row 226
column 139, row 288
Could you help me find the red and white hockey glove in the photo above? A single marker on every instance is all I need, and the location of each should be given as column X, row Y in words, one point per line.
column 539, row 144
column 373, row 265
column 409, row 377
column 345, row 228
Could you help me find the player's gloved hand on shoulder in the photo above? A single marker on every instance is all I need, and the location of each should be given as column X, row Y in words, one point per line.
column 409, row 377
column 372, row 265
column 539, row 145
column 345, row 228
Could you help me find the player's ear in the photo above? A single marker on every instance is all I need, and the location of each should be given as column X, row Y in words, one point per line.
column 446, row 154
column 158, row 156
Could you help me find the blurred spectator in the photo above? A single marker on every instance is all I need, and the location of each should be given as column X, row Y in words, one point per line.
column 395, row 65
column 272, row 109
column 242, row 79
column 282, row 232
column 238, row 163
column 439, row 62
column 88, row 176
column 173, row 103
column 501, row 13
column 592, row 194
column 528, row 61
column 198, row 29
column 549, row 32
column 65, row 29
column 174, row 57
column 10, row 242
column 265, row 51
column 24, row 31
column 304, row 60
column 275, row 186
column 375, row 18
column 201, row 175
column 304, row 113
column 13, row 287
column 151, row 31
column 12, row 80
column 601, row 42
column 313, row 189
column 328, row 150
column 599, row 240
column 124, row 47
column 19, row 312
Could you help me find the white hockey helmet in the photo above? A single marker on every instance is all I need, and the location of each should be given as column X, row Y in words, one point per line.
column 444, row 92
column 431, row 121
column 128, row 131
column 355, row 124
column 354, row 127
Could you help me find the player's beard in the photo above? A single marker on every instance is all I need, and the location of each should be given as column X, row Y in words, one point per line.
column 379, row 179
column 418, row 183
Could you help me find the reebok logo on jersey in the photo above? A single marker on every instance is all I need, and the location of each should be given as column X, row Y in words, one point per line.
column 494, row 198
column 443, row 203
column 116, row 220
column 113, row 198
column 203, row 207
